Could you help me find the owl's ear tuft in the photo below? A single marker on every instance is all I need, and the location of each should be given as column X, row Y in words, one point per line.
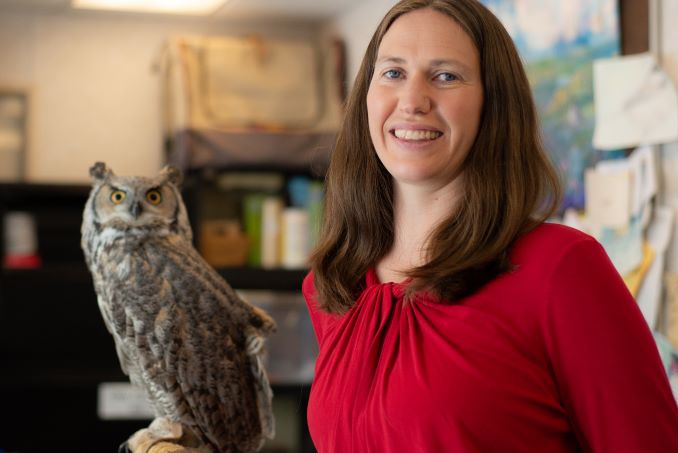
column 99, row 171
column 173, row 174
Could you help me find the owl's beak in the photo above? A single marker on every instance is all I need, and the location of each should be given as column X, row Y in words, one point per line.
column 136, row 210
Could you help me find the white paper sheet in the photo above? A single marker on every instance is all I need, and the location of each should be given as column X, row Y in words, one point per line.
column 608, row 195
column 636, row 103
column 644, row 167
column 650, row 293
column 643, row 176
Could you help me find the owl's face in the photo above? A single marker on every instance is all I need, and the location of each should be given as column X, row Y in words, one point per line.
column 135, row 202
column 151, row 205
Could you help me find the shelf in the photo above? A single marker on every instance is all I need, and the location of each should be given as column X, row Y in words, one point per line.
column 264, row 279
column 238, row 277
column 23, row 191
column 86, row 375
column 82, row 375
column 194, row 149
column 70, row 273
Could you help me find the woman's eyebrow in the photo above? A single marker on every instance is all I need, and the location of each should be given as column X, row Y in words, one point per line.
column 448, row 62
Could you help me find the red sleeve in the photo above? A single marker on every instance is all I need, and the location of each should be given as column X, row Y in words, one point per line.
column 604, row 358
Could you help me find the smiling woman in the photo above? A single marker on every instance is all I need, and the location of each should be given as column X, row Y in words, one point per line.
column 450, row 68
column 449, row 315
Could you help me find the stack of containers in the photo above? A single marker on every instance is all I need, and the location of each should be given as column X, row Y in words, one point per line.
column 280, row 235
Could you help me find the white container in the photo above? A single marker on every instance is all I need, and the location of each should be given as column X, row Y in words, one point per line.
column 295, row 238
column 271, row 215
column 20, row 234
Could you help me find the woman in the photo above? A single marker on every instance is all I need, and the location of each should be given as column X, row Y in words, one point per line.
column 450, row 318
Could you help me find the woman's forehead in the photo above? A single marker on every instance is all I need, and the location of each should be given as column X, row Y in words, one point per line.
column 429, row 34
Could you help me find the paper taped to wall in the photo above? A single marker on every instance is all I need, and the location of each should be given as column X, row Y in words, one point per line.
column 636, row 103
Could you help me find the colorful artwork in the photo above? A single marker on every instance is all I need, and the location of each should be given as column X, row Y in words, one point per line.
column 558, row 41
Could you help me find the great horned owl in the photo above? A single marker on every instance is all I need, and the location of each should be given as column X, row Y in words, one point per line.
column 180, row 330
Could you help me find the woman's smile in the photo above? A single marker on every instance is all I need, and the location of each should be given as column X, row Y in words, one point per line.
column 416, row 135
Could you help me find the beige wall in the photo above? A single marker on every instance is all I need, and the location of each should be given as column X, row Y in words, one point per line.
column 356, row 27
column 95, row 95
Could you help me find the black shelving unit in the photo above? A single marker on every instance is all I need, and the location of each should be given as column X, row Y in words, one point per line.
column 54, row 348
column 270, row 279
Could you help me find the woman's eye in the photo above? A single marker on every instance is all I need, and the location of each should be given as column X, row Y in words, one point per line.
column 118, row 197
column 153, row 197
column 392, row 74
column 446, row 77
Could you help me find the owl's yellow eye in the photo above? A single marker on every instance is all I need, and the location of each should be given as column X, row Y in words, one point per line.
column 153, row 196
column 118, row 196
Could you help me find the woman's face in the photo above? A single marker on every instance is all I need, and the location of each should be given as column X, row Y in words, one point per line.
column 425, row 99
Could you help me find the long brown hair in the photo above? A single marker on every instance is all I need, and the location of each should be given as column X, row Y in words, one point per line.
column 510, row 184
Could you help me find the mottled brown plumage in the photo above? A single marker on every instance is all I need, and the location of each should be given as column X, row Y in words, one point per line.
column 180, row 330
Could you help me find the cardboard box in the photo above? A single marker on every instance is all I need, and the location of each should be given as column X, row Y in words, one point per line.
column 222, row 243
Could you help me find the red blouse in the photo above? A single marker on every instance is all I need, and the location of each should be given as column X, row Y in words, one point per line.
column 554, row 356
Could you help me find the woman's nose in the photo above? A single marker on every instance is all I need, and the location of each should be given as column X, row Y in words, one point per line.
column 415, row 97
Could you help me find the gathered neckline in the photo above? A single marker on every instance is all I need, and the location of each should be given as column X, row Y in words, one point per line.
column 398, row 288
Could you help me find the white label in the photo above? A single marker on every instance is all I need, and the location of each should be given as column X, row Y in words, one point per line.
column 121, row 400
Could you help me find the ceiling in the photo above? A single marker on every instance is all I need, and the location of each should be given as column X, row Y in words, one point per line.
column 236, row 9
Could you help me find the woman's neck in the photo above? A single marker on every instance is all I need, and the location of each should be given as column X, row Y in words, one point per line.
column 417, row 212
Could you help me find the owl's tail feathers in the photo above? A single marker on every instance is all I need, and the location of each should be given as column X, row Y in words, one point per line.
column 255, row 349
column 166, row 436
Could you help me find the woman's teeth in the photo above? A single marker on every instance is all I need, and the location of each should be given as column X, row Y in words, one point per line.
column 407, row 134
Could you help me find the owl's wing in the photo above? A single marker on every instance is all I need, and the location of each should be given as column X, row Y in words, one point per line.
column 106, row 315
column 258, row 326
column 207, row 346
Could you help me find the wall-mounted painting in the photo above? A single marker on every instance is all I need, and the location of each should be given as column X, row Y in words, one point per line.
column 558, row 41
column 13, row 133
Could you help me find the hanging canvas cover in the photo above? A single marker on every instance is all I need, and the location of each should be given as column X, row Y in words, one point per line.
column 256, row 82
column 251, row 101
column 251, row 83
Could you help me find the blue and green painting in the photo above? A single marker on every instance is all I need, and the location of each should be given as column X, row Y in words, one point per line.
column 558, row 41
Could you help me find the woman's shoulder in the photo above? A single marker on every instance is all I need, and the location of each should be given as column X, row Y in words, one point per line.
column 547, row 257
column 548, row 231
column 545, row 245
column 551, row 237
